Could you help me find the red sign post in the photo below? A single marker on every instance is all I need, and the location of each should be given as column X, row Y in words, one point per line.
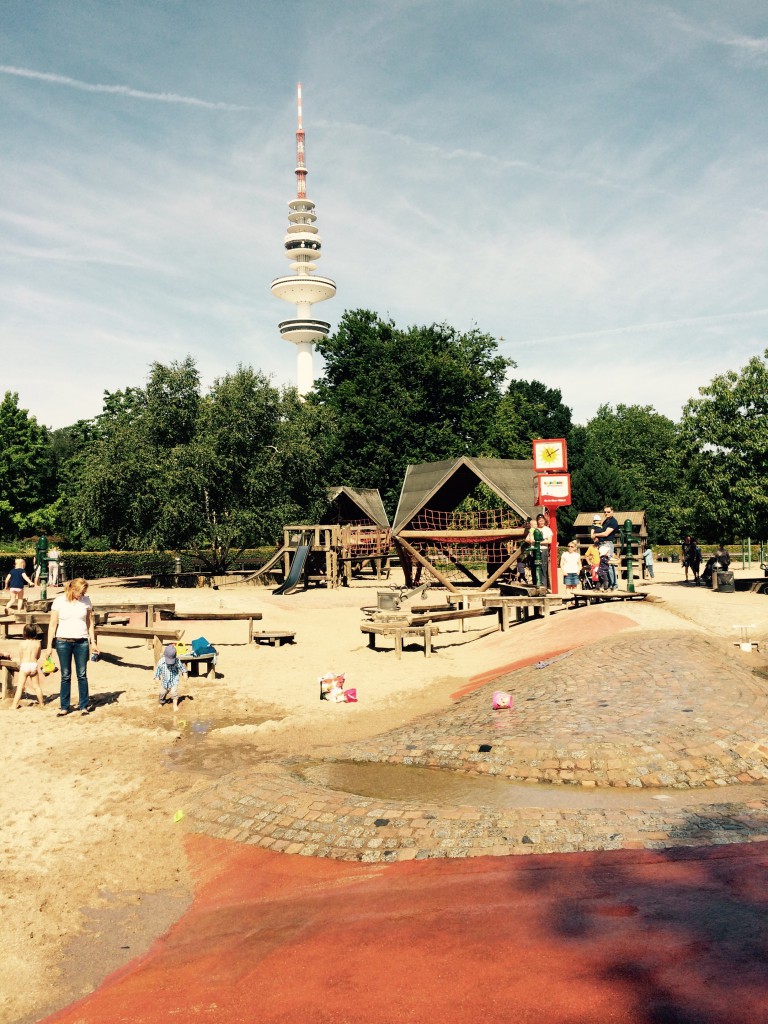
column 552, row 488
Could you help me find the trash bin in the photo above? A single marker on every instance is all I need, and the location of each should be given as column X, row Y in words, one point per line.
column 723, row 582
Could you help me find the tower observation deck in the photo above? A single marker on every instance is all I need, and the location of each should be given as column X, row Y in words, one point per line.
column 303, row 287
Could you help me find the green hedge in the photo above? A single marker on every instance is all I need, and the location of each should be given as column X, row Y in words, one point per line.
column 96, row 565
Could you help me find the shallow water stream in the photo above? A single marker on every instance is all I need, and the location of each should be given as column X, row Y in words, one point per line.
column 411, row 783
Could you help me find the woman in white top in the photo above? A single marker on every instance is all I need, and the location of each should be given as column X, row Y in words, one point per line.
column 546, row 540
column 70, row 630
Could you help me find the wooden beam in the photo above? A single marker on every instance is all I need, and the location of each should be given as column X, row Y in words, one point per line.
column 426, row 565
column 459, row 565
column 469, row 534
column 502, row 568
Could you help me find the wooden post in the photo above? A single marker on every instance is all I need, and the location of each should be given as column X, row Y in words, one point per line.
column 426, row 565
column 502, row 568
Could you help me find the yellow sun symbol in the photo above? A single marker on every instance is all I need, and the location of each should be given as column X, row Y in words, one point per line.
column 550, row 454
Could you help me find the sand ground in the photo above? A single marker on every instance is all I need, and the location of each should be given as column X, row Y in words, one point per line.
column 92, row 865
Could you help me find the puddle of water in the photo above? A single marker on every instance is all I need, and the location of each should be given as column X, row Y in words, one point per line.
column 412, row 783
column 191, row 754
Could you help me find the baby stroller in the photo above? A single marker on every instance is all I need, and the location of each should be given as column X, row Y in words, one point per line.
column 585, row 577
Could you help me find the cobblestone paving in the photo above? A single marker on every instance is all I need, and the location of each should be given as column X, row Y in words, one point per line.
column 637, row 711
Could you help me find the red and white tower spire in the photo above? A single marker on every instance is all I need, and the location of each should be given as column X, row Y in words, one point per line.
column 301, row 169
column 302, row 246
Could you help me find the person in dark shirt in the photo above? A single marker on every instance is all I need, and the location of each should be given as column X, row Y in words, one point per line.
column 609, row 533
column 720, row 560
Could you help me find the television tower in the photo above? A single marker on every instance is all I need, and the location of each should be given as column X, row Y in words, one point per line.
column 302, row 247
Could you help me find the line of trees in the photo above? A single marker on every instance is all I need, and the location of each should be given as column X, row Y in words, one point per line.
column 168, row 466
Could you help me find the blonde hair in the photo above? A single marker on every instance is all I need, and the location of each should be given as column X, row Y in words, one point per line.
column 19, row 563
column 74, row 589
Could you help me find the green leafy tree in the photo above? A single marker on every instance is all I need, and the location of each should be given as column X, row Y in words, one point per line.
column 401, row 396
column 725, row 441
column 527, row 410
column 26, row 469
column 115, row 473
column 631, row 460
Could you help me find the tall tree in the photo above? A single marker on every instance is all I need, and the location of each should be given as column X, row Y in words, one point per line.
column 631, row 460
column 725, row 441
column 400, row 396
column 527, row 410
column 26, row 469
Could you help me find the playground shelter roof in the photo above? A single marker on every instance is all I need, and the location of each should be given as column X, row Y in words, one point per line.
column 353, row 503
column 442, row 486
column 583, row 521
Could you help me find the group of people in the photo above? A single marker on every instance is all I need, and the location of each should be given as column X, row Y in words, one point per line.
column 599, row 555
column 692, row 559
column 72, row 634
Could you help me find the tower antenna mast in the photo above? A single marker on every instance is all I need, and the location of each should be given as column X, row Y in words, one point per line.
column 303, row 287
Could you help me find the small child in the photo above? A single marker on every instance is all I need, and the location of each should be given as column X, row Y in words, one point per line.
column 570, row 563
column 648, row 559
column 604, row 568
column 168, row 670
column 14, row 582
column 29, row 656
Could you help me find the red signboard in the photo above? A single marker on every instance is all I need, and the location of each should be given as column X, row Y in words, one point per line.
column 552, row 489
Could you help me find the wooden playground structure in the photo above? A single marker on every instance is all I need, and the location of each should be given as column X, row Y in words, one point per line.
column 353, row 538
column 476, row 548
column 337, row 552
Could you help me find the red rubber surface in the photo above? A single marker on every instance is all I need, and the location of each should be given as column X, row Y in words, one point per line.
column 637, row 937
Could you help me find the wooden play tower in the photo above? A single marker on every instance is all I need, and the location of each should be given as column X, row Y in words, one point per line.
column 433, row 534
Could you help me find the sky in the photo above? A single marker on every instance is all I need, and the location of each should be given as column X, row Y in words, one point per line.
column 584, row 180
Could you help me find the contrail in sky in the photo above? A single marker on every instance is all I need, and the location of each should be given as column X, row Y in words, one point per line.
column 694, row 321
column 118, row 90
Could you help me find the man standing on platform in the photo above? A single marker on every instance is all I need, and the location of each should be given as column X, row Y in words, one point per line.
column 609, row 532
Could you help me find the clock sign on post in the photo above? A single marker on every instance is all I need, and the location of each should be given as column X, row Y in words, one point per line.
column 552, row 487
column 550, row 456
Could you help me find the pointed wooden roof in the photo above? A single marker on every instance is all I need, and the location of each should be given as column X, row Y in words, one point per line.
column 442, row 486
column 365, row 499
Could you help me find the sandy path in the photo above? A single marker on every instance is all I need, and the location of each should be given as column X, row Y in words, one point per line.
column 92, row 865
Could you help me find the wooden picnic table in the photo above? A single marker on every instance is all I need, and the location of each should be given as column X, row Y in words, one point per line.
column 213, row 616
column 398, row 631
column 43, row 620
column 523, row 605
column 157, row 635
column 148, row 609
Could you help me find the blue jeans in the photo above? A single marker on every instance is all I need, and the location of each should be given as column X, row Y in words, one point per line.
column 65, row 650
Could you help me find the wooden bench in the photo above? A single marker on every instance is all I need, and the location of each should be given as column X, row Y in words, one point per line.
column 9, row 668
column 156, row 635
column 218, row 616
column 5, row 622
column 458, row 614
column 276, row 638
column 194, row 661
column 596, row 597
column 426, row 631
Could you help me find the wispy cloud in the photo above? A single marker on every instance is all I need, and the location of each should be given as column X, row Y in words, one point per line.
column 658, row 325
column 750, row 48
column 117, row 90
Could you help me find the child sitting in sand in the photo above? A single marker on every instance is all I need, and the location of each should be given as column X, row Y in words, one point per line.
column 14, row 582
column 29, row 656
column 168, row 671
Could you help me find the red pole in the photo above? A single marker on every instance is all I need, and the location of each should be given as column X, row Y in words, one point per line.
column 553, row 567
